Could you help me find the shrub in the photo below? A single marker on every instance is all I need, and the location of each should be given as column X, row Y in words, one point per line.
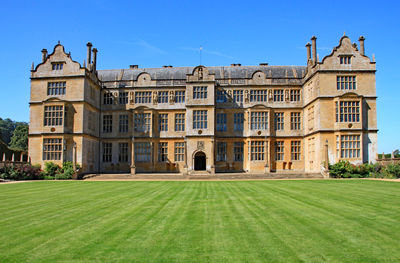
column 67, row 171
column 27, row 172
column 392, row 171
column 341, row 169
column 344, row 169
column 51, row 169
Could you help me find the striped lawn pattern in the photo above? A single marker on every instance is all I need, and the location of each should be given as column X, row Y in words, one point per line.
column 211, row 221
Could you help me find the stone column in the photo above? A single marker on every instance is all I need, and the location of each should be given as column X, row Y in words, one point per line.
column 326, row 165
column 185, row 166
column 212, row 159
column 153, row 155
column 362, row 49
column 74, row 153
column 314, row 49
column 267, row 170
column 133, row 165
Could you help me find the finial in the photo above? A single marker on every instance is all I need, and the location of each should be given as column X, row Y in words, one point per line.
column 33, row 66
column 373, row 57
column 344, row 34
column 84, row 63
column 59, row 42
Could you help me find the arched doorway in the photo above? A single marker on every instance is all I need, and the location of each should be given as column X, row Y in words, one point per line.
column 200, row 161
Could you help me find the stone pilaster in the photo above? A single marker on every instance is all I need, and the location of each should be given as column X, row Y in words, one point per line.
column 133, row 165
column 212, row 158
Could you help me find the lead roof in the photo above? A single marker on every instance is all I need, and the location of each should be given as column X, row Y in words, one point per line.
column 179, row 73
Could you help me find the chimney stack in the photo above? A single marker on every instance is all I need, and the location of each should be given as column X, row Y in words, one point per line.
column 94, row 59
column 44, row 54
column 362, row 50
column 133, row 66
column 89, row 53
column 314, row 49
column 308, row 46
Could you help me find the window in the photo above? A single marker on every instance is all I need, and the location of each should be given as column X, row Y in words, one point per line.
column 163, row 122
column 259, row 120
column 278, row 95
column 221, row 122
column 258, row 95
column 123, row 98
column 180, row 96
column 143, row 97
column 222, row 96
column 107, row 123
column 199, row 92
column 179, row 151
column 346, row 82
column 142, row 152
column 238, row 95
column 53, row 115
column 310, row 113
column 108, row 98
column 257, row 151
column 142, row 122
column 294, row 95
column 349, row 146
column 295, row 121
column 238, row 151
column 123, row 152
column 199, row 119
column 179, row 121
column 221, row 152
column 163, row 151
column 238, row 119
column 279, row 151
column 56, row 88
column 295, row 150
column 123, row 123
column 163, row 97
column 107, row 152
column 52, row 149
column 279, row 121
column 57, row 66
column 348, row 111
column 345, row 59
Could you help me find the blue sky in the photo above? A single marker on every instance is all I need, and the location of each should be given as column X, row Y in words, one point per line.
column 156, row 33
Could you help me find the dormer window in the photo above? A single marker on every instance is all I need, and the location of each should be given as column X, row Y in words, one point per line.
column 345, row 60
column 57, row 66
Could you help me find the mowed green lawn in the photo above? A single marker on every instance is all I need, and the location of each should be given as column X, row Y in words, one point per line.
column 214, row 221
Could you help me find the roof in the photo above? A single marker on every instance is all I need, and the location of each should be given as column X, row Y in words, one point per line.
column 230, row 72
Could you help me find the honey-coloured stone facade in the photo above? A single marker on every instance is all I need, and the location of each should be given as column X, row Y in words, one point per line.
column 190, row 120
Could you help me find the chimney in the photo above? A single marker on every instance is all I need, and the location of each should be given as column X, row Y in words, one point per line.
column 264, row 64
column 44, row 54
column 362, row 50
column 133, row 66
column 308, row 46
column 314, row 49
column 89, row 53
column 94, row 59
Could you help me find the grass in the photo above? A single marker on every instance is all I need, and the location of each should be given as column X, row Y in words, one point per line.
column 241, row 221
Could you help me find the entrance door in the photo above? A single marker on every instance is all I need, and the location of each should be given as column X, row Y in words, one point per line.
column 200, row 161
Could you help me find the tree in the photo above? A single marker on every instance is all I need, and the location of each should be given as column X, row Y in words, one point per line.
column 7, row 127
column 19, row 139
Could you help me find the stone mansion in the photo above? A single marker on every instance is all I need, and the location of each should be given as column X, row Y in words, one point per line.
column 249, row 119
